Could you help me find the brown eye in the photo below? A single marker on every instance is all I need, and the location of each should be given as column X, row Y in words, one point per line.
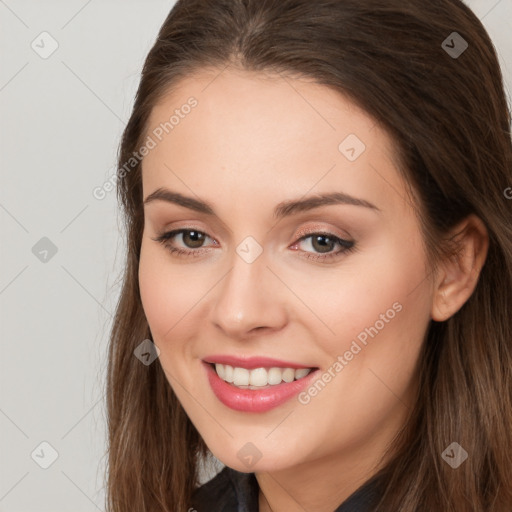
column 325, row 242
column 322, row 243
column 191, row 243
column 193, row 239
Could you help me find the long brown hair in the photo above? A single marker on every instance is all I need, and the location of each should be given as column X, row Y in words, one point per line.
column 449, row 118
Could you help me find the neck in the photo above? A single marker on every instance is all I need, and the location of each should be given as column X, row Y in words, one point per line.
column 263, row 504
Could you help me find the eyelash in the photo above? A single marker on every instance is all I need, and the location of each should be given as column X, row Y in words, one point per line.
column 347, row 245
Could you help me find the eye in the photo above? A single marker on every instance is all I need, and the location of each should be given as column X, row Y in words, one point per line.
column 324, row 243
column 193, row 240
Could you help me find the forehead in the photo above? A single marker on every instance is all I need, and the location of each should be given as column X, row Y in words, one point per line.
column 253, row 135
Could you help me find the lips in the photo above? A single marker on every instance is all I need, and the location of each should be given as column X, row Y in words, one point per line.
column 256, row 400
column 254, row 362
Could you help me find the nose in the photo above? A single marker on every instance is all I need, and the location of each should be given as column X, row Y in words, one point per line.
column 249, row 300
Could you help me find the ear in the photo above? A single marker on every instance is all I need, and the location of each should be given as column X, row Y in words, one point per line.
column 458, row 275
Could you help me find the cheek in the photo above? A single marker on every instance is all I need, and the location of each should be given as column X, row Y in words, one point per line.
column 374, row 307
column 168, row 294
column 378, row 353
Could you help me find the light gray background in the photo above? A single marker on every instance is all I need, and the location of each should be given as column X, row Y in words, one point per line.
column 61, row 120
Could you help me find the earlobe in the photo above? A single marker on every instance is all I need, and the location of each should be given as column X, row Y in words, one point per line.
column 458, row 275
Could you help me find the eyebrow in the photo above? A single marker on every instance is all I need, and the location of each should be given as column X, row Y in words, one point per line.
column 283, row 209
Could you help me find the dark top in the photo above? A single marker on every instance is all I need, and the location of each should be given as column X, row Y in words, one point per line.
column 233, row 491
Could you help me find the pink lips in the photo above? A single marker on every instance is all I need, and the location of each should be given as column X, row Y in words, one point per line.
column 252, row 362
column 255, row 400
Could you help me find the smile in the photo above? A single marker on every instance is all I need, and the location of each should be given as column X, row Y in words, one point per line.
column 258, row 377
column 256, row 390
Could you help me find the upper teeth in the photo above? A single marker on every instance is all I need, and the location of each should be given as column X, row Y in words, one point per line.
column 259, row 376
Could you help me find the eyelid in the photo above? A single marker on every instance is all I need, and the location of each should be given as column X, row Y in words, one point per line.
column 320, row 229
column 310, row 230
column 346, row 243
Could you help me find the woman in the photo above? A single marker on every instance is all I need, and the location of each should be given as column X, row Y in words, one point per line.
column 318, row 282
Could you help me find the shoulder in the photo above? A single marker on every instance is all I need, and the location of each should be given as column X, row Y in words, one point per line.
column 228, row 491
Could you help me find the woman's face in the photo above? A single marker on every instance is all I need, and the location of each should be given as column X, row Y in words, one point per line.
column 263, row 279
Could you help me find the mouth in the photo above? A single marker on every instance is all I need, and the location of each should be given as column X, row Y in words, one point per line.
column 258, row 378
column 256, row 390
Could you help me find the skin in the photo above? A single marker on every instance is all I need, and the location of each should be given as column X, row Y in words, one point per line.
column 253, row 141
